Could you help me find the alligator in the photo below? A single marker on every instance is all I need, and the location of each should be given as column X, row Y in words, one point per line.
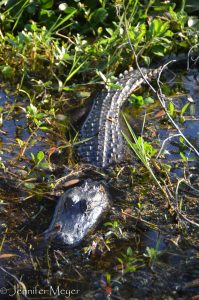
column 82, row 206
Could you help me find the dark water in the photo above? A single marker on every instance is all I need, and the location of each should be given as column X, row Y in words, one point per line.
column 163, row 260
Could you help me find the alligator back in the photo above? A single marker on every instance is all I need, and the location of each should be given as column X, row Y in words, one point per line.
column 101, row 137
column 82, row 206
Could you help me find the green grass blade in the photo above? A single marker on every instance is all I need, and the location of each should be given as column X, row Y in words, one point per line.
column 139, row 149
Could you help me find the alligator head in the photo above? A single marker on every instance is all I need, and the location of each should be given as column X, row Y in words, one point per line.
column 78, row 212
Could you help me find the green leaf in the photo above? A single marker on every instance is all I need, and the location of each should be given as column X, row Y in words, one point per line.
column 7, row 71
column 39, row 115
column 166, row 167
column 45, row 13
column 98, row 16
column 120, row 260
column 171, row 109
column 70, row 10
column 129, row 251
column 33, row 157
column 183, row 157
column 132, row 35
column 149, row 100
column 108, row 224
column 158, row 50
column 46, row 4
column 184, row 109
column 43, row 128
column 44, row 164
column 138, row 100
column 32, row 110
column 169, row 33
column 108, row 278
column 146, row 59
column 140, row 33
column 110, row 31
column 130, row 269
column 115, row 224
column 40, row 156
column 158, row 28
column 67, row 88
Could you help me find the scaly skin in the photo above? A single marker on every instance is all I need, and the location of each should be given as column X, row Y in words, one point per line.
column 81, row 207
column 102, row 126
column 78, row 212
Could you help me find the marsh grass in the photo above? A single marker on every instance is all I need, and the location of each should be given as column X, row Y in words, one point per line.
column 143, row 150
column 70, row 43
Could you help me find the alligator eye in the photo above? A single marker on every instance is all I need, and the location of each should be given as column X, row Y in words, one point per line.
column 83, row 205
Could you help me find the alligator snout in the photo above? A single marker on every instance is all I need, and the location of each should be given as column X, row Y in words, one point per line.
column 77, row 213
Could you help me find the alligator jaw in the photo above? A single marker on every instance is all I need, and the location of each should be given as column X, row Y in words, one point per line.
column 78, row 212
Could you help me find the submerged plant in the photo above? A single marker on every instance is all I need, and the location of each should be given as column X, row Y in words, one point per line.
column 129, row 261
column 140, row 100
column 152, row 254
column 114, row 228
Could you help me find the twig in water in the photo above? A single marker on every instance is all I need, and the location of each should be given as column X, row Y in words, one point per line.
column 161, row 98
column 159, row 93
column 162, row 102
column 189, row 54
column 20, row 283
column 163, row 144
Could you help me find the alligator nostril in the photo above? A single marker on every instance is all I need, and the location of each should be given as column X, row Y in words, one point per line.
column 57, row 227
